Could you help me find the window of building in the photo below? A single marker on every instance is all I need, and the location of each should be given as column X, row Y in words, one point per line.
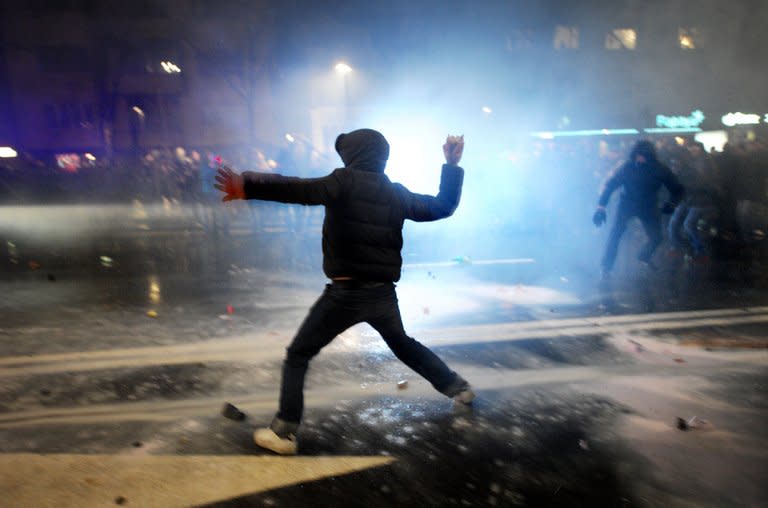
column 621, row 38
column 148, row 58
column 689, row 38
column 566, row 37
column 156, row 113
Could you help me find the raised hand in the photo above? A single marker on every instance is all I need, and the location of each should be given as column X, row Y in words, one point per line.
column 598, row 219
column 230, row 183
column 453, row 149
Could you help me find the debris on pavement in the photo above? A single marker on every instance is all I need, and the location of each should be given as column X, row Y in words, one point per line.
column 137, row 444
column 232, row 412
column 583, row 444
column 152, row 313
column 120, row 500
column 106, row 261
column 51, row 277
column 692, row 423
column 402, row 384
column 679, row 360
column 230, row 309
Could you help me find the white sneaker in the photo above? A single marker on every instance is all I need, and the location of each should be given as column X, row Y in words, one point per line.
column 465, row 396
column 266, row 438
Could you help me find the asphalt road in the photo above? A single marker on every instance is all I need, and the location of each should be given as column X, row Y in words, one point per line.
column 113, row 377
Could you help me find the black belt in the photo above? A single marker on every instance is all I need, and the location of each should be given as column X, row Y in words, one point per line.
column 359, row 284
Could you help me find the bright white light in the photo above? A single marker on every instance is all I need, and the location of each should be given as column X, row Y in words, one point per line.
column 739, row 118
column 290, row 138
column 90, row 157
column 712, row 139
column 6, row 152
column 487, row 110
column 138, row 111
column 680, row 141
column 546, row 135
column 170, row 67
column 343, row 68
column 414, row 151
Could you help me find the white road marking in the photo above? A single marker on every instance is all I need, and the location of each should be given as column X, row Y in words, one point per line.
column 64, row 480
column 511, row 261
column 252, row 348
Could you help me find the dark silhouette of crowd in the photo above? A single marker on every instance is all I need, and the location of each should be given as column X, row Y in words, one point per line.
column 725, row 208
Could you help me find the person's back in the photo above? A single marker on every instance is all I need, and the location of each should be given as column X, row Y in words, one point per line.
column 362, row 239
column 365, row 211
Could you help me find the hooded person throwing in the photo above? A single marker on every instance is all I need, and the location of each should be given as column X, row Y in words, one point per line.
column 362, row 240
column 640, row 179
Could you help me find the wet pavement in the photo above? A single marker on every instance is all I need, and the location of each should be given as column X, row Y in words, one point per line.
column 113, row 378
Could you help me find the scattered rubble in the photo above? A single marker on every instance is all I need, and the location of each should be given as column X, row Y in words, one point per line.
column 232, row 412
column 693, row 423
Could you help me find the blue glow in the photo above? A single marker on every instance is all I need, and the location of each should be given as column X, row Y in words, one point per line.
column 590, row 132
column 662, row 130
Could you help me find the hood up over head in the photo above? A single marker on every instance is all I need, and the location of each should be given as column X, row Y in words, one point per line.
column 645, row 148
column 363, row 149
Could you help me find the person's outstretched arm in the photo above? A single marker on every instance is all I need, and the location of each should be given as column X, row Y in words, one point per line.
column 421, row 207
column 272, row 187
column 614, row 181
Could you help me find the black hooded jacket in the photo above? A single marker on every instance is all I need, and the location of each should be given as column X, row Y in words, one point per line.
column 641, row 184
column 364, row 211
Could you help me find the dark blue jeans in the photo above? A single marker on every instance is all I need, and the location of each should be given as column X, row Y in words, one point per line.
column 650, row 219
column 342, row 305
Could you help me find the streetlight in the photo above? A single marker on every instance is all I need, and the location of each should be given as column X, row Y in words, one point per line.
column 343, row 69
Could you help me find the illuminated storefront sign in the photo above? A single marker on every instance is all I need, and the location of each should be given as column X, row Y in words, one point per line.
column 680, row 122
column 733, row 119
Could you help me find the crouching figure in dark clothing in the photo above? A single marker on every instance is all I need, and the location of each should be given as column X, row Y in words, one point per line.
column 362, row 240
column 640, row 178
